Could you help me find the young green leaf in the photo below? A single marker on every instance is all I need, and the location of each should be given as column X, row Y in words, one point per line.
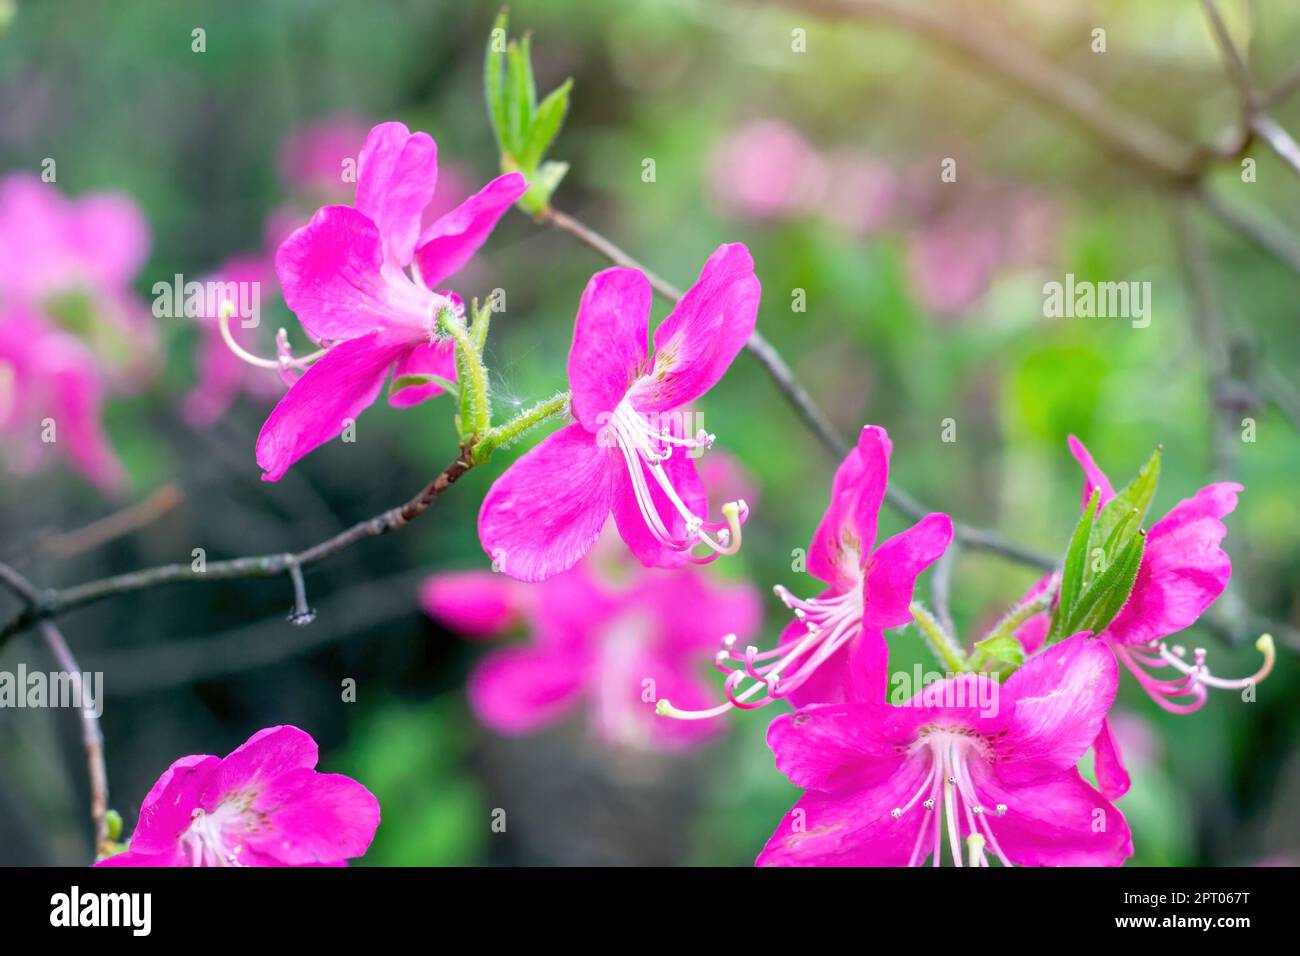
column 1003, row 648
column 1104, row 598
column 1072, row 572
column 1135, row 496
column 492, row 69
column 546, row 125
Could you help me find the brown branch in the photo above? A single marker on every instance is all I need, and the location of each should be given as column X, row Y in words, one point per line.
column 66, row 544
column 42, row 605
column 977, row 539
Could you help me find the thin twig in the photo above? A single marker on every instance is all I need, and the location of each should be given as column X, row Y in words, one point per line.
column 67, row 544
column 977, row 539
column 51, row 603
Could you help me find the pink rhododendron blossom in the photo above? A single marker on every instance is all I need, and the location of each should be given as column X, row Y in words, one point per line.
column 315, row 160
column 263, row 805
column 895, row 785
column 345, row 275
column 627, row 453
column 767, row 170
column 1183, row 572
column 863, row 192
column 835, row 649
column 593, row 643
column 74, row 260
column 51, row 392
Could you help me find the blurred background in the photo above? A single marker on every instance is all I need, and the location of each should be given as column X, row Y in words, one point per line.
column 922, row 301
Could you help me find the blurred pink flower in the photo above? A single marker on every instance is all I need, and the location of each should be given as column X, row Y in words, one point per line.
column 883, row 783
column 51, row 393
column 626, row 452
column 344, row 276
column 863, row 192
column 767, row 170
column 314, row 159
column 616, row 649
column 74, row 261
column 263, row 805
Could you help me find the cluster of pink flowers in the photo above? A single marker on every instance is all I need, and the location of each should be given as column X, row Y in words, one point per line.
column 71, row 330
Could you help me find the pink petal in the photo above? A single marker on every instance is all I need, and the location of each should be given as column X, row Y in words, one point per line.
column 110, row 237
column 1093, row 476
column 844, row 746
column 1054, row 706
column 1033, row 632
column 450, row 241
column 545, row 512
column 1183, row 568
column 518, row 691
column 894, row 566
column 173, row 857
column 344, row 382
column 428, row 358
column 168, row 808
column 307, row 818
column 397, row 171
column 695, row 345
column 847, row 532
column 1059, row 821
column 610, row 343
column 632, row 527
column 269, row 753
column 1112, row 777
column 856, row 672
column 473, row 603
column 338, row 283
column 78, row 399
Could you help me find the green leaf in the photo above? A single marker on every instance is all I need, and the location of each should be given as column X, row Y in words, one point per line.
column 543, row 187
column 1072, row 572
column 1103, row 600
column 492, row 67
column 519, row 110
column 1135, row 496
column 400, row 382
column 1004, row 648
column 546, row 125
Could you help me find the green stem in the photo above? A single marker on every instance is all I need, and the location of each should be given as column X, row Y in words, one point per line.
column 528, row 419
column 1011, row 622
column 941, row 642
column 474, row 388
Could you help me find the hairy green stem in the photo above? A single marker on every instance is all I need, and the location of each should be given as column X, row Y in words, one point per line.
column 526, row 420
column 941, row 642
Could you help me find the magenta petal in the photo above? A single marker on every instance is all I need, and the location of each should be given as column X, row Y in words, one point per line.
column 269, row 753
column 428, row 358
column 1112, row 777
column 450, row 241
column 397, row 172
column 110, row 236
column 1054, row 706
column 1183, row 571
column 632, row 527
column 167, row 810
column 78, row 398
column 1060, row 821
column 344, row 382
column 856, row 672
column 1093, row 476
column 610, row 343
column 474, row 603
column 308, row 818
column 842, row 746
column 696, row 343
column 172, row 857
column 519, row 690
column 847, row 532
column 337, row 281
column 545, row 512
column 894, row 566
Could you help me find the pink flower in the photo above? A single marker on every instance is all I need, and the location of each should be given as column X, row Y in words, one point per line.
column 345, row 276
column 1183, row 572
column 835, row 649
column 627, row 452
column 612, row 649
column 51, row 392
column 767, row 170
column 313, row 157
column 884, row 784
column 74, row 260
column 263, row 805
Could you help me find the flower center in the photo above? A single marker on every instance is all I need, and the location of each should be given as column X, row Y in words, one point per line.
column 205, row 839
column 949, row 797
column 1185, row 689
column 645, row 448
column 829, row 623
